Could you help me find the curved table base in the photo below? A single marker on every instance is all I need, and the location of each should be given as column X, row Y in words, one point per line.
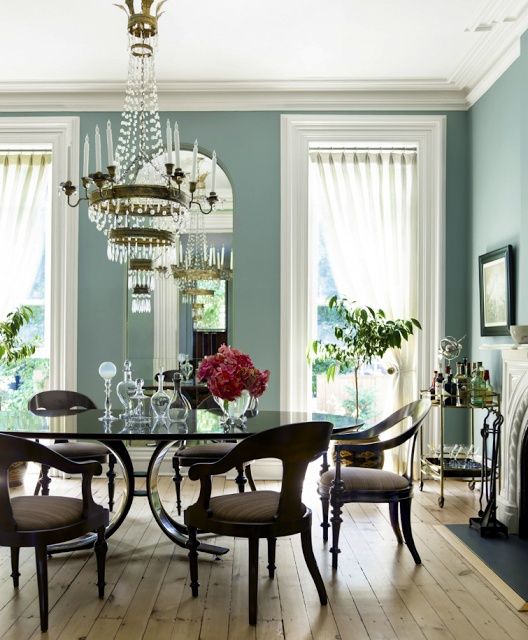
column 176, row 531
column 118, row 448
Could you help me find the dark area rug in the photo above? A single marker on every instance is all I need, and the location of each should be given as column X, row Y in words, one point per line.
column 506, row 557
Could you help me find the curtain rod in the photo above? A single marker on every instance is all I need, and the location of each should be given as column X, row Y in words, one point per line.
column 26, row 150
column 325, row 148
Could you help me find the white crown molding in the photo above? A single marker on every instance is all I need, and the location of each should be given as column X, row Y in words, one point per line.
column 331, row 95
column 500, row 27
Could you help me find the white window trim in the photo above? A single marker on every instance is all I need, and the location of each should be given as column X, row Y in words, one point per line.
column 298, row 133
column 60, row 133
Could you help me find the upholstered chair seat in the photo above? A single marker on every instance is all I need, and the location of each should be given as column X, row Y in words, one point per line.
column 260, row 514
column 42, row 521
column 59, row 402
column 215, row 450
column 363, row 479
column 343, row 485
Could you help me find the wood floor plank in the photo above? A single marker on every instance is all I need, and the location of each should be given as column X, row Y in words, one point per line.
column 377, row 591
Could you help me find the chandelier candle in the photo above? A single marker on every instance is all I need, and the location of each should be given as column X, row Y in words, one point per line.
column 110, row 144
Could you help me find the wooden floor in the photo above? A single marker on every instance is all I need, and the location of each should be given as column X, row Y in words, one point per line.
column 377, row 593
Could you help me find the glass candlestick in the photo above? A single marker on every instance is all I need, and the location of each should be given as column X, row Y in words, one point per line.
column 107, row 371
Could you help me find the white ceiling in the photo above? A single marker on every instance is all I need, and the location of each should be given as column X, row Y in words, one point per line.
column 292, row 44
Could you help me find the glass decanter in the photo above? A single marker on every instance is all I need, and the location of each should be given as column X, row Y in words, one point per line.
column 187, row 370
column 159, row 403
column 126, row 389
column 180, row 406
column 139, row 403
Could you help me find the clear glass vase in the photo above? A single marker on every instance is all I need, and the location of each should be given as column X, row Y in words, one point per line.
column 160, row 401
column 140, row 404
column 234, row 410
column 180, row 406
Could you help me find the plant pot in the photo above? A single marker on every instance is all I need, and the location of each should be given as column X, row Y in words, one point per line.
column 16, row 474
column 368, row 459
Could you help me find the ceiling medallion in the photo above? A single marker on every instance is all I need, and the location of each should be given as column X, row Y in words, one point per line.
column 142, row 197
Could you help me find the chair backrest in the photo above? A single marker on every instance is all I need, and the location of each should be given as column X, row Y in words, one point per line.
column 416, row 411
column 53, row 402
column 296, row 445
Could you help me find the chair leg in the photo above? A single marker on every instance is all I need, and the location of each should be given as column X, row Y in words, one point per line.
column 253, row 544
column 336, row 525
column 324, row 523
column 405, row 512
column 272, row 544
column 110, row 474
column 177, row 482
column 241, row 478
column 15, row 573
column 249, row 476
column 192, row 545
column 311, row 563
column 395, row 521
column 101, row 548
column 44, row 479
column 42, row 581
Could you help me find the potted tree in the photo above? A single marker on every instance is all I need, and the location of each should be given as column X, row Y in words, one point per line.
column 13, row 350
column 361, row 335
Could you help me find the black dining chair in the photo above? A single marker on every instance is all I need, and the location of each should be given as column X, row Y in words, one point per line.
column 186, row 456
column 342, row 485
column 60, row 402
column 261, row 514
column 39, row 521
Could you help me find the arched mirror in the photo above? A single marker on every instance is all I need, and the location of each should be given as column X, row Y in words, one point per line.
column 179, row 308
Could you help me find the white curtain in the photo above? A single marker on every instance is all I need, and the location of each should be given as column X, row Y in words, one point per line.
column 166, row 310
column 367, row 208
column 24, row 180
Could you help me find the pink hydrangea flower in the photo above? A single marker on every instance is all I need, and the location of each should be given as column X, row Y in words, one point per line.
column 230, row 371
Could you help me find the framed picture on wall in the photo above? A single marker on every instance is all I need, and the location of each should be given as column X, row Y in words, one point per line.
column 496, row 292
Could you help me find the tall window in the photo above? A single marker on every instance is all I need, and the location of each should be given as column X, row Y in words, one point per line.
column 25, row 218
column 365, row 204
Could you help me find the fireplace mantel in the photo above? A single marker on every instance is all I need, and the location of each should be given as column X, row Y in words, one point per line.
column 515, row 410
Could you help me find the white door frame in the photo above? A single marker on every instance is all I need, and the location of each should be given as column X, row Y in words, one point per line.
column 298, row 133
column 61, row 133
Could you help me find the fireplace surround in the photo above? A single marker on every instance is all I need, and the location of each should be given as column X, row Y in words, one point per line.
column 513, row 497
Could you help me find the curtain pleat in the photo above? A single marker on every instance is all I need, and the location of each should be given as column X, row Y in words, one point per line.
column 24, row 180
column 367, row 205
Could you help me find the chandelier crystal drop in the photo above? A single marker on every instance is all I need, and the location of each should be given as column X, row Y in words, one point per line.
column 141, row 273
column 141, row 299
column 141, row 198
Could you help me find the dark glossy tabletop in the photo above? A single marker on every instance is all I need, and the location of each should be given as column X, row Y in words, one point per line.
column 200, row 424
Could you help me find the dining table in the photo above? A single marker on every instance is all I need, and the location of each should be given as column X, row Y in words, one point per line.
column 200, row 424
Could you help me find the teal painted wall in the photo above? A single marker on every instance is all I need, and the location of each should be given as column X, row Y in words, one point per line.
column 248, row 146
column 498, row 133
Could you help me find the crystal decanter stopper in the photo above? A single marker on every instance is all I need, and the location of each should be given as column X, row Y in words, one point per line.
column 179, row 405
column 160, row 401
column 126, row 389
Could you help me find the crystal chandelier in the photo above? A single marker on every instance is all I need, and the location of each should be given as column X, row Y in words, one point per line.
column 140, row 200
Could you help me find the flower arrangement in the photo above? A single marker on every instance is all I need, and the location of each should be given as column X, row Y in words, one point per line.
column 230, row 372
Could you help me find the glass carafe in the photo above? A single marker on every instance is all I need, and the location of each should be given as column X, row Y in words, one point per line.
column 140, row 403
column 179, row 405
column 159, row 403
column 126, row 389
